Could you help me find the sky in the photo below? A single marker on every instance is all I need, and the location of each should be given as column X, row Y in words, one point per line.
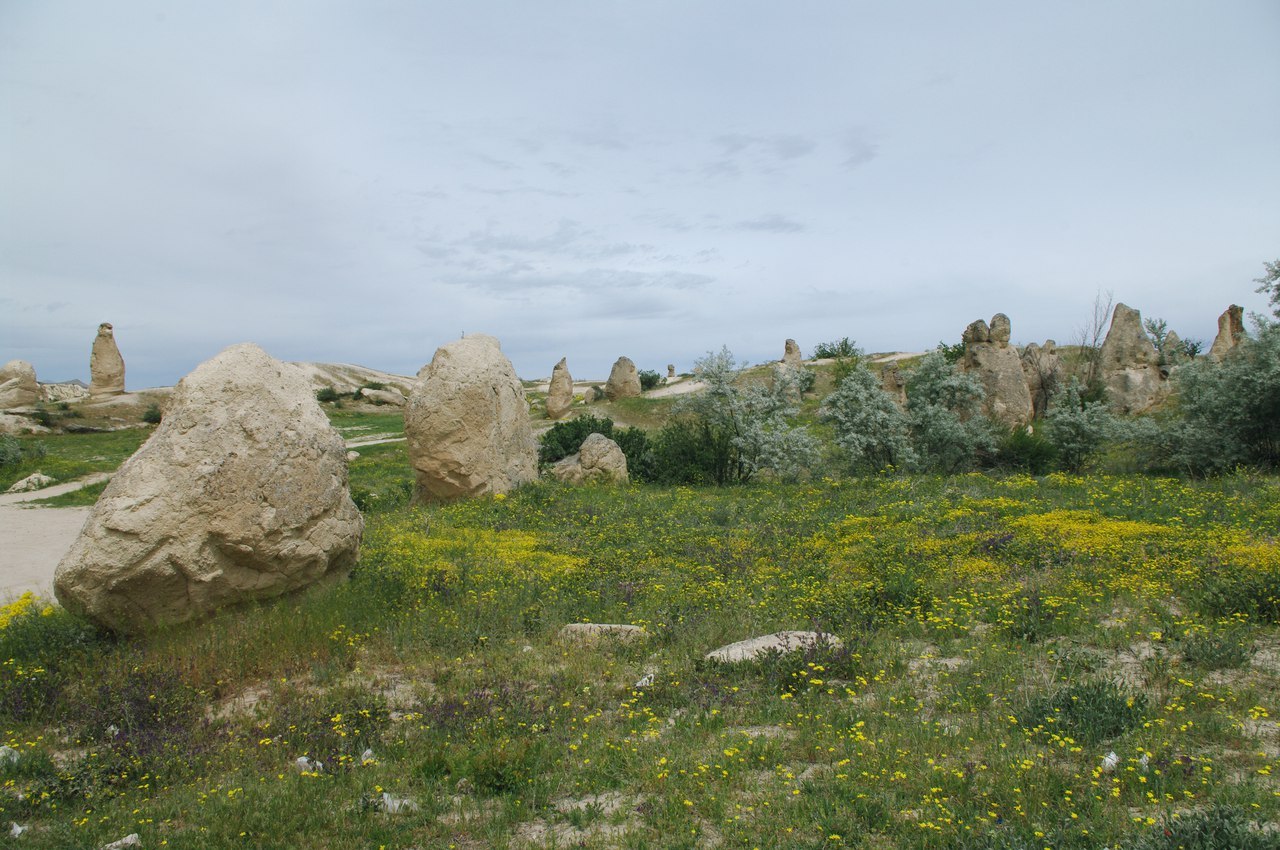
column 364, row 181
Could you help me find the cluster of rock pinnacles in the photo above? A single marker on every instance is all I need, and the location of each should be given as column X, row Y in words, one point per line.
column 241, row 493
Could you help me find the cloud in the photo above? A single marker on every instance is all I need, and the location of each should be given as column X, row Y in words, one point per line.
column 779, row 147
column 770, row 223
column 569, row 239
column 520, row 279
column 858, row 150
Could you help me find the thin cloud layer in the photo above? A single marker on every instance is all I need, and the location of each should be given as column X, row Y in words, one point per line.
column 362, row 184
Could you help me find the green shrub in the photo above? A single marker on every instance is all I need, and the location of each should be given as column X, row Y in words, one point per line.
column 564, row 438
column 1228, row 649
column 152, row 414
column 649, row 379
column 13, row 453
column 1222, row 827
column 870, row 427
column 1078, row 429
column 806, row 379
column 1027, row 449
column 1090, row 712
column 948, row 431
column 951, row 353
column 844, row 347
column 327, row 394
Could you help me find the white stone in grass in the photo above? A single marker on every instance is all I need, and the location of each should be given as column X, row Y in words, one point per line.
column 645, row 682
column 1110, row 761
column 130, row 840
column 303, row 764
column 16, row 829
column 398, row 805
column 34, row 481
column 593, row 631
column 8, row 755
column 752, row 648
column 367, row 757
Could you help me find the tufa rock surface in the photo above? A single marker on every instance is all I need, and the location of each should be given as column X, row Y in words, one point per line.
column 467, row 424
column 894, row 383
column 389, row 396
column 778, row 642
column 560, row 392
column 18, row 385
column 240, row 494
column 1230, row 332
column 106, row 366
column 598, row 460
column 988, row 355
column 1129, row 364
column 1042, row 368
column 624, row 381
column 791, row 354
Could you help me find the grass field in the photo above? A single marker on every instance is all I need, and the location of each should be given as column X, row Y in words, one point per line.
column 1002, row 637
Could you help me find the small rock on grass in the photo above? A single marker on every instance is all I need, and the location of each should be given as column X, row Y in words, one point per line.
column 130, row 840
column 752, row 648
column 586, row 632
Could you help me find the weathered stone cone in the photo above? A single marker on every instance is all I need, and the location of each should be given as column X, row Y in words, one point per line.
column 599, row 459
column 18, row 385
column 791, row 353
column 240, row 494
column 1129, row 363
column 988, row 355
column 560, row 392
column 106, row 366
column 467, row 424
column 624, row 380
column 1230, row 332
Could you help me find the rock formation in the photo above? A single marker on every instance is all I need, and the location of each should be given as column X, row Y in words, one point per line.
column 988, row 355
column 1128, row 363
column 106, row 366
column 894, row 383
column 467, row 424
column 388, row 396
column 560, row 393
column 18, row 385
column 63, row 391
column 1042, row 368
column 598, row 460
column 1230, row 332
column 791, row 354
column 671, row 370
column 624, row 381
column 240, row 494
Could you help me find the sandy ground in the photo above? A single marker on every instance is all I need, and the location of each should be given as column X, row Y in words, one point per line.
column 34, row 539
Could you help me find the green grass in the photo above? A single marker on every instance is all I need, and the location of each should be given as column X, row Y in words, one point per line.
column 71, row 456
column 1001, row 636
column 81, row 498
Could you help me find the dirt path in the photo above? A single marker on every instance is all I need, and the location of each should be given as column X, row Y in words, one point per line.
column 33, row 539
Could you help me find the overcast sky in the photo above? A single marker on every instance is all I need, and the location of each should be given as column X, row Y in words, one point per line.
column 364, row 181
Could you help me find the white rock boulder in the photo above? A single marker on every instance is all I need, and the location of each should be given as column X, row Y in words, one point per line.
column 599, row 459
column 240, row 494
column 106, row 366
column 624, row 380
column 1129, row 363
column 18, row 385
column 560, row 391
column 467, row 424
column 752, row 648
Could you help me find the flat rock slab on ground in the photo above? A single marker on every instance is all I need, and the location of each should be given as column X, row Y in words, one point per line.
column 752, row 648
column 586, row 632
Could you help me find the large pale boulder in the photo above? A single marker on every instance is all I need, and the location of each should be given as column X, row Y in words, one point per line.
column 1042, row 368
column 624, row 380
column 106, row 366
column 240, row 494
column 599, row 459
column 791, row 354
column 988, row 355
column 778, row 642
column 1129, row 363
column 1230, row 332
column 467, row 424
column 560, row 392
column 18, row 385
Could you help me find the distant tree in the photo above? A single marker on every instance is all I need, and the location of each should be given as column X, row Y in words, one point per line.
column 1269, row 284
column 948, row 431
column 1089, row 338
